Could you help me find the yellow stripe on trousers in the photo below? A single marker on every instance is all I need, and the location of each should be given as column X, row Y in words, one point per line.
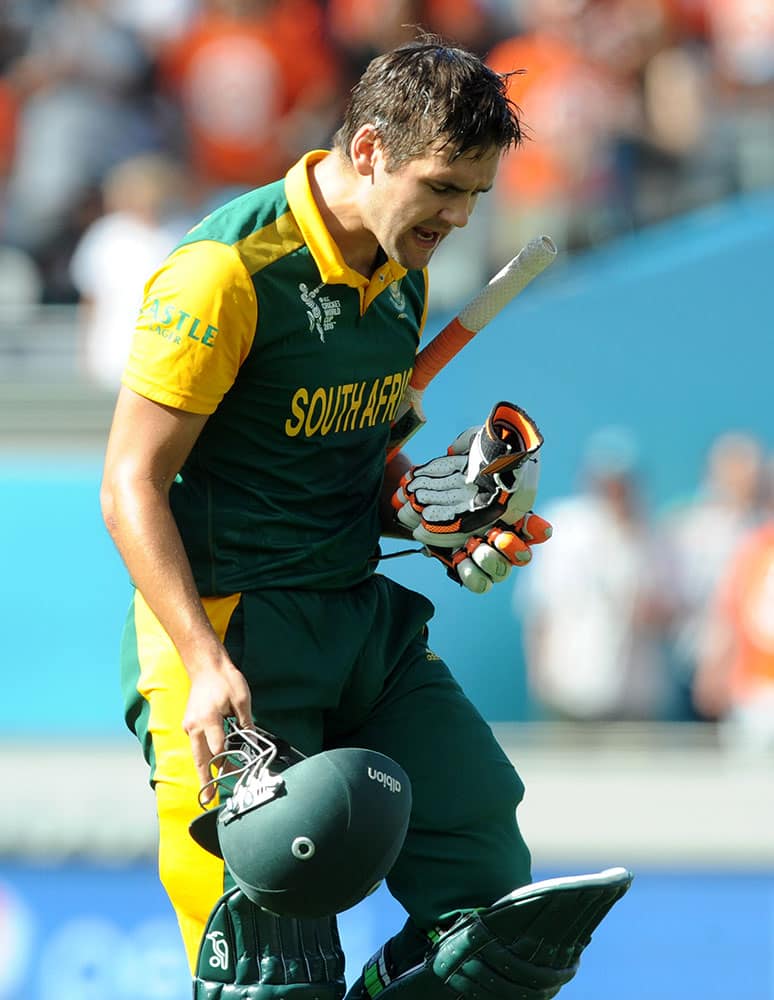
column 192, row 877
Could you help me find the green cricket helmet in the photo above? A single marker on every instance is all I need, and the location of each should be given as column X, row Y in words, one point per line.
column 305, row 836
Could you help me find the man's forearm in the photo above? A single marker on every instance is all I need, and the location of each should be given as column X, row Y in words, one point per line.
column 393, row 472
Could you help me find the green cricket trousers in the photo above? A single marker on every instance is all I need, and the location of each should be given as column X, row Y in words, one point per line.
column 329, row 669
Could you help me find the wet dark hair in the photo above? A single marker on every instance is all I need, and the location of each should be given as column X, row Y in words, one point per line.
column 427, row 94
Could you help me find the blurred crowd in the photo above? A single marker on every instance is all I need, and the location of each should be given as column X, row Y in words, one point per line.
column 122, row 121
column 631, row 615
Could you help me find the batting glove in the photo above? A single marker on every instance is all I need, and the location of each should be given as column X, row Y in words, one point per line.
column 490, row 474
column 486, row 559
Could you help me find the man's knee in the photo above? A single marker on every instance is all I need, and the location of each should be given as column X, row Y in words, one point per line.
column 484, row 824
column 248, row 952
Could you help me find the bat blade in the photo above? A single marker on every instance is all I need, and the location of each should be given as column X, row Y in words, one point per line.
column 512, row 279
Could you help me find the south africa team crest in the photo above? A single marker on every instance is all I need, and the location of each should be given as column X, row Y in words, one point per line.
column 397, row 298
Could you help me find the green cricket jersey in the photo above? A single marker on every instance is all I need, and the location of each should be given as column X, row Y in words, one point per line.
column 256, row 320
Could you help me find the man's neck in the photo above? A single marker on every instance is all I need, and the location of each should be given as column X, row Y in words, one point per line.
column 334, row 185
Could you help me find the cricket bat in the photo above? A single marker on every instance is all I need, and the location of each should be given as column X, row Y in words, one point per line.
column 493, row 297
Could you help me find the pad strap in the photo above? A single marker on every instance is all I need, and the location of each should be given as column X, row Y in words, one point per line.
column 251, row 954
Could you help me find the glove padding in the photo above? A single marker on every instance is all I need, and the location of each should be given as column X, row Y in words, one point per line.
column 486, row 559
column 489, row 475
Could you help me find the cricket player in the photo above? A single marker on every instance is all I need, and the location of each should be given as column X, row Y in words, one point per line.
column 246, row 491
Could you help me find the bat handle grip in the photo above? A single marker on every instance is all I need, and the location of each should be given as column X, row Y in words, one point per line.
column 438, row 353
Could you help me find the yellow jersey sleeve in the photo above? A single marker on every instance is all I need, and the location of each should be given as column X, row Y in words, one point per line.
column 195, row 328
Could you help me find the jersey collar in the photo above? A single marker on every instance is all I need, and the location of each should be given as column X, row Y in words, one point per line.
column 327, row 256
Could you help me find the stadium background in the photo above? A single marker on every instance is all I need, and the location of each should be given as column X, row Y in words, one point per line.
column 668, row 331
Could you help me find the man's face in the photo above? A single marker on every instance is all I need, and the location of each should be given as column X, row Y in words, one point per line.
column 412, row 208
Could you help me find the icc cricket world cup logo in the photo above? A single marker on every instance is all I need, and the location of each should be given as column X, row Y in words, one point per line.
column 321, row 312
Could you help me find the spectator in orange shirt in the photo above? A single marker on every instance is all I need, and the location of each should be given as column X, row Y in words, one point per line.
column 560, row 181
column 9, row 111
column 735, row 679
column 703, row 531
column 256, row 83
